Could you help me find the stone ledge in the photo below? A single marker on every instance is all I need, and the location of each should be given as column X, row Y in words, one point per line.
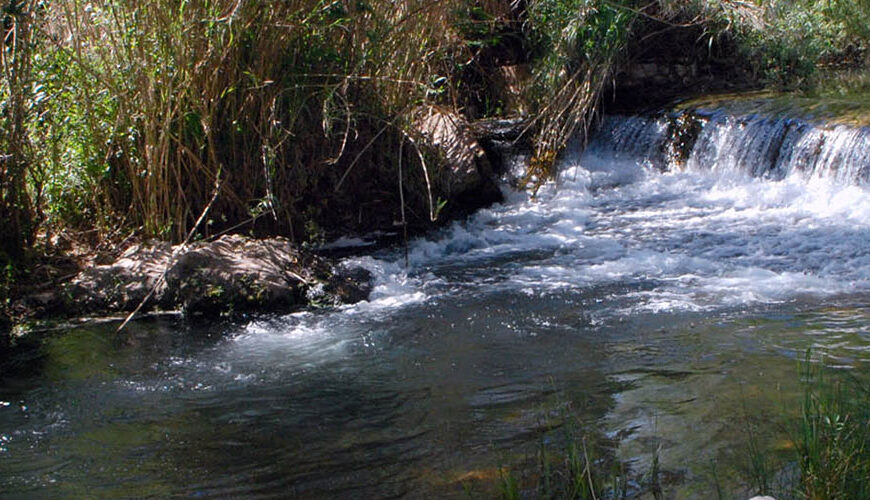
column 233, row 273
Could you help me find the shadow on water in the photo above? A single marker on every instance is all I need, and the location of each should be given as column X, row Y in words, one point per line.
column 395, row 406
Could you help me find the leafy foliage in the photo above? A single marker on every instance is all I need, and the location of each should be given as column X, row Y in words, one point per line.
column 580, row 41
column 172, row 117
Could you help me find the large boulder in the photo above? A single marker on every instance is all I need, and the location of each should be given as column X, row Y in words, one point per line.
column 466, row 178
column 451, row 135
column 233, row 273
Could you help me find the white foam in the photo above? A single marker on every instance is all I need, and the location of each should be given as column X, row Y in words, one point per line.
column 708, row 238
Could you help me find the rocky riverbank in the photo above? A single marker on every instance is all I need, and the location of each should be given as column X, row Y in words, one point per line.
column 231, row 274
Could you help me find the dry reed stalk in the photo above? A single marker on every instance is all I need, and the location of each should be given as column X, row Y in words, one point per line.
column 16, row 154
column 281, row 97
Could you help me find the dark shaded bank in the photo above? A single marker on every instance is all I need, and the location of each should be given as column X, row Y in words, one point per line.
column 231, row 274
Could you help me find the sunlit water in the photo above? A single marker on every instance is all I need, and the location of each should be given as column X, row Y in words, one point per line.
column 654, row 310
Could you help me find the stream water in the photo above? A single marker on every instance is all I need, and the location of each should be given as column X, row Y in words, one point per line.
column 662, row 312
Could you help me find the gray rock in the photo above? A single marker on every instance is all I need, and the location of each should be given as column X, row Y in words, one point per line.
column 233, row 273
column 465, row 179
column 350, row 285
column 504, row 140
column 504, row 129
column 452, row 136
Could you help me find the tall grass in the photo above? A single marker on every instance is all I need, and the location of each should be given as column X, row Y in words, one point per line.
column 832, row 438
column 579, row 471
column 578, row 464
column 264, row 107
column 827, row 428
column 828, row 434
column 169, row 117
column 580, row 41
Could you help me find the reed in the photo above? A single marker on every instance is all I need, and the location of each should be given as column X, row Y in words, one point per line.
column 133, row 116
column 831, row 437
column 578, row 466
column 265, row 104
column 827, row 430
column 17, row 217
column 584, row 43
column 581, row 40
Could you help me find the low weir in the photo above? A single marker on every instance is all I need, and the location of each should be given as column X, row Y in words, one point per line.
column 770, row 147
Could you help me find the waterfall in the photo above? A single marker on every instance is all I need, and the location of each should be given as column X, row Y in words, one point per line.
column 770, row 147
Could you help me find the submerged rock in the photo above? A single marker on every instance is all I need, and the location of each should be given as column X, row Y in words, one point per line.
column 233, row 273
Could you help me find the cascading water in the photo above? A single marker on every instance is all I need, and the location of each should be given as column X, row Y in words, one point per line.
column 770, row 147
column 663, row 285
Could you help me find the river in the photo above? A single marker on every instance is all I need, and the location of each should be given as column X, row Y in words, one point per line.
column 661, row 311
